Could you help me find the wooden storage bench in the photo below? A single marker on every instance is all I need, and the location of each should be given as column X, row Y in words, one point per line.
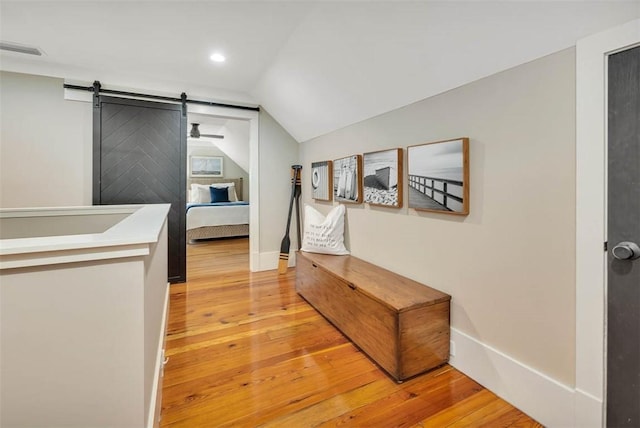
column 399, row 323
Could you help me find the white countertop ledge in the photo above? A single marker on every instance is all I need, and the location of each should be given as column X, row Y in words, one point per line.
column 129, row 237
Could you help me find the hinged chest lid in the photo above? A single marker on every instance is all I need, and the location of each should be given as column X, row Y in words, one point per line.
column 391, row 289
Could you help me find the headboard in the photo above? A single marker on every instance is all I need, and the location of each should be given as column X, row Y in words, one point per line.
column 211, row 180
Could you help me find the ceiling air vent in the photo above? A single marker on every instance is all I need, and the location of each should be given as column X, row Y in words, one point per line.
column 14, row 47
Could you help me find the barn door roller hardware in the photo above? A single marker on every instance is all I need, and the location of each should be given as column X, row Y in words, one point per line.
column 97, row 89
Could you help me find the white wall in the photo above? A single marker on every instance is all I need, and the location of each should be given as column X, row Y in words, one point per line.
column 278, row 151
column 45, row 144
column 236, row 142
column 509, row 265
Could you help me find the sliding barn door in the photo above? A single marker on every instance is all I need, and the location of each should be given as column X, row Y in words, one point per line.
column 139, row 157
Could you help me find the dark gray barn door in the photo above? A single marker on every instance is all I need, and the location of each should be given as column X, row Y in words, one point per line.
column 140, row 158
column 623, row 276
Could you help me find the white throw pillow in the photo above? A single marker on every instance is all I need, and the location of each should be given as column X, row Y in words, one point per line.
column 322, row 234
column 200, row 193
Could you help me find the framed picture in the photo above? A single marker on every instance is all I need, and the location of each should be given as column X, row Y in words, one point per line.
column 383, row 178
column 347, row 179
column 206, row 166
column 322, row 180
column 439, row 176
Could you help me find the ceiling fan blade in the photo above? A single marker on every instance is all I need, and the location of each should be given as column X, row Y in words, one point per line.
column 195, row 133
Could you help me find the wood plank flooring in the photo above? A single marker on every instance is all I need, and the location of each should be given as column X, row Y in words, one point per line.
column 245, row 351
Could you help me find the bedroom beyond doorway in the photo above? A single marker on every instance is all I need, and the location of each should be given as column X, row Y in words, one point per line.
column 218, row 184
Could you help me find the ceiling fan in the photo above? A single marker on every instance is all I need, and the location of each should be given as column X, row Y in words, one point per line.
column 195, row 132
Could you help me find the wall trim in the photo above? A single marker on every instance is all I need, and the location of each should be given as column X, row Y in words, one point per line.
column 538, row 395
column 158, row 370
column 588, row 410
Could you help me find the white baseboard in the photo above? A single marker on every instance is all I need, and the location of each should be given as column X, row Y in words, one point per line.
column 539, row 396
column 269, row 260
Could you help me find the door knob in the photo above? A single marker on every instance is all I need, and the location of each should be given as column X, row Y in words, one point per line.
column 626, row 251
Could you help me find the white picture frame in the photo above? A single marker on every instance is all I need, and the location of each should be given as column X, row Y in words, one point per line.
column 206, row 166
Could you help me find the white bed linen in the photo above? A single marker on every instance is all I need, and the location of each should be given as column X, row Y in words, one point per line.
column 217, row 215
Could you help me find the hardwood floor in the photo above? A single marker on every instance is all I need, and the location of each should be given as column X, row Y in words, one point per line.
column 245, row 350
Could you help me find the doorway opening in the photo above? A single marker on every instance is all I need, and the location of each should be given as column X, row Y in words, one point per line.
column 218, row 192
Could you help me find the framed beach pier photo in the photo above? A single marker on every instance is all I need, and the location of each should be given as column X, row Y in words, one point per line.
column 438, row 176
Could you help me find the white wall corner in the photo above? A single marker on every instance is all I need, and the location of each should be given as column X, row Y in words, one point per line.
column 539, row 396
column 268, row 260
column 589, row 410
column 254, row 188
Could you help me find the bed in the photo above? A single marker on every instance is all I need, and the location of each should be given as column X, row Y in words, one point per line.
column 216, row 220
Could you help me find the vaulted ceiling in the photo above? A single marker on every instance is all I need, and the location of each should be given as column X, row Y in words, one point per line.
column 315, row 66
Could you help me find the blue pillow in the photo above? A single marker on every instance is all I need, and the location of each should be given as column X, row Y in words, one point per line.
column 219, row 194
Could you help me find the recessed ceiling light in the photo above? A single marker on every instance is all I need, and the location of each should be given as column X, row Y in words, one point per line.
column 218, row 57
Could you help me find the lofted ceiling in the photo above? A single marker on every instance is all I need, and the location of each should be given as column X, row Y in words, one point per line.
column 315, row 66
